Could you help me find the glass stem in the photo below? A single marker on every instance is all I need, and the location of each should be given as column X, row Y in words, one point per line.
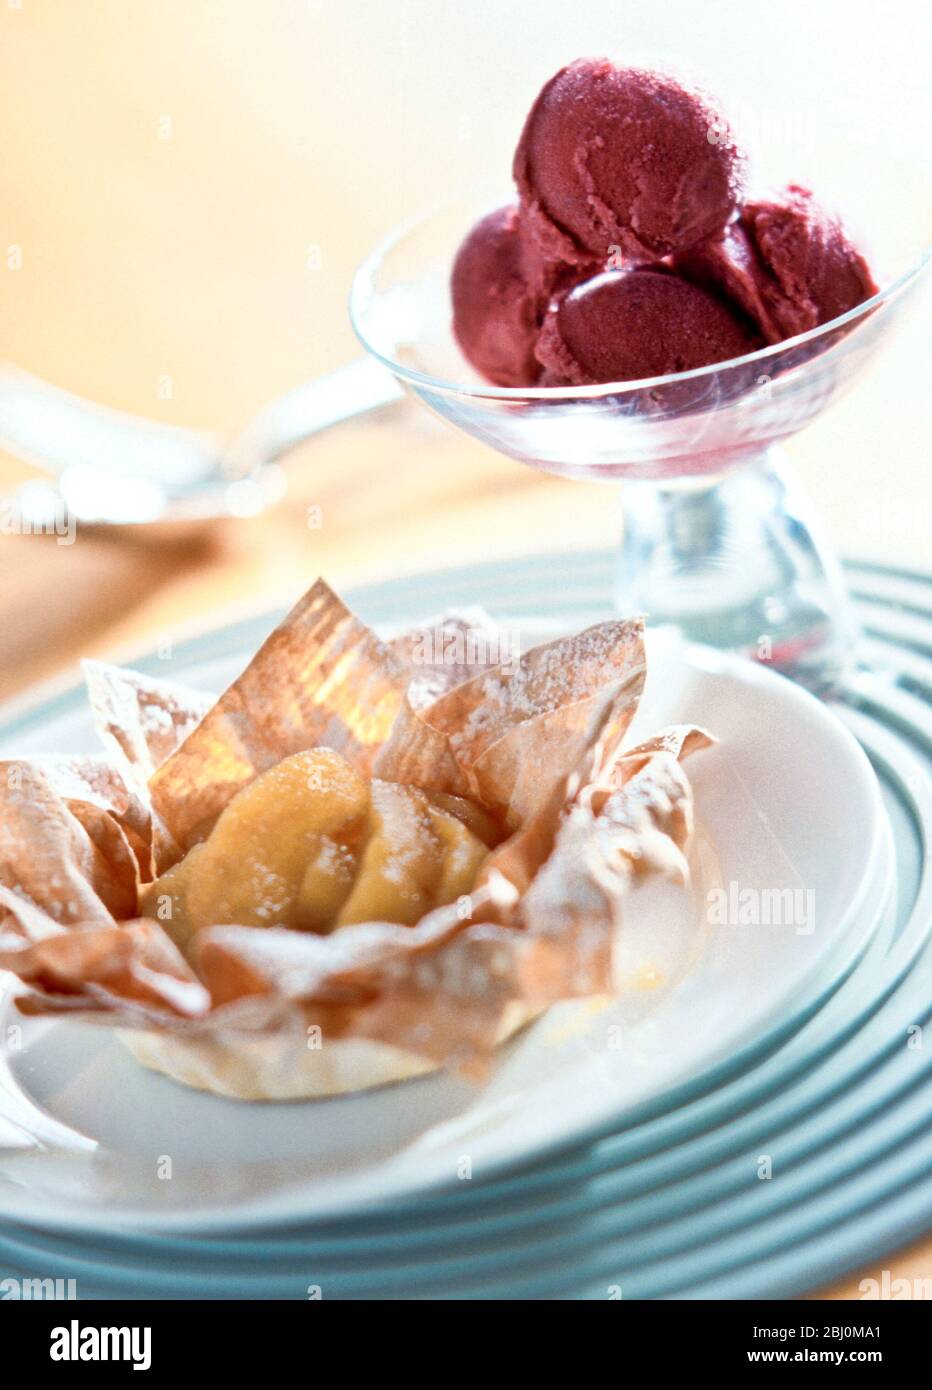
column 740, row 564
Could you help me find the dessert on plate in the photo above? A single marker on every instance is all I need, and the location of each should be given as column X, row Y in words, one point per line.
column 622, row 171
column 356, row 865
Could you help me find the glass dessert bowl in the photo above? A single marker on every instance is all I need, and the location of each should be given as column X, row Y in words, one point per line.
column 718, row 540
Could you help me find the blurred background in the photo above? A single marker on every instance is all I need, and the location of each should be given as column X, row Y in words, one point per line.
column 188, row 185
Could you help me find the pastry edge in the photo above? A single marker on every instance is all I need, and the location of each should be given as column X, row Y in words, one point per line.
column 284, row 1068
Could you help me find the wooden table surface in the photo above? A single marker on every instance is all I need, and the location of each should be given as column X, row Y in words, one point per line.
column 186, row 190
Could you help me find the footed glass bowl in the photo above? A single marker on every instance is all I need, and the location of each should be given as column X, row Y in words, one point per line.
column 718, row 538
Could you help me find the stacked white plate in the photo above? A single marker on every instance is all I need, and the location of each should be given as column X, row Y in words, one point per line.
column 759, row 1130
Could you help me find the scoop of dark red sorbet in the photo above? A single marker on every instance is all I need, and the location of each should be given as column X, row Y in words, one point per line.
column 614, row 156
column 788, row 264
column 632, row 324
column 500, row 287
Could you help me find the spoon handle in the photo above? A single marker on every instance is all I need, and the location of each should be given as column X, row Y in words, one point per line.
column 55, row 430
column 355, row 389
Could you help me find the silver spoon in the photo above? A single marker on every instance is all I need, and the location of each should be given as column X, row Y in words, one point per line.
column 107, row 468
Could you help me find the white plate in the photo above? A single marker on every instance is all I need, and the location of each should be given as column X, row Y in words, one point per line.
column 90, row 1140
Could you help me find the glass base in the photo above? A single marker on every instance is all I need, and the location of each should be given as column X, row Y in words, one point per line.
column 741, row 565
